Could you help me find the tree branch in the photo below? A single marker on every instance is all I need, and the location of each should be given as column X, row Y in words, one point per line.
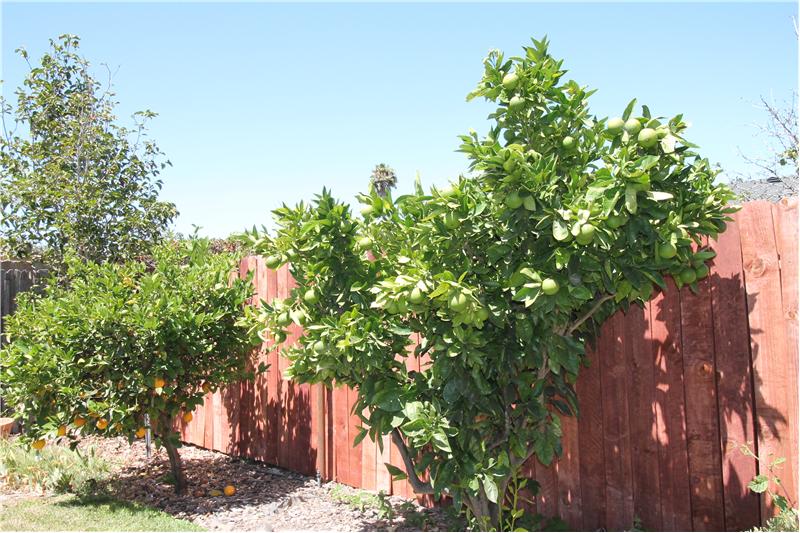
column 419, row 486
column 589, row 314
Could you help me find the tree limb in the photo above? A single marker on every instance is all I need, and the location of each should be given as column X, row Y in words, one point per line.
column 589, row 314
column 419, row 486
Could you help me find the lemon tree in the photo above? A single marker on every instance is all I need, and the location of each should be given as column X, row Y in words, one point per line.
column 120, row 341
column 505, row 275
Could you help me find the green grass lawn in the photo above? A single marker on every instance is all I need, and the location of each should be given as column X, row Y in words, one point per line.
column 68, row 513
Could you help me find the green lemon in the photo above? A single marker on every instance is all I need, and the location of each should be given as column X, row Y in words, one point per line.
column 516, row 103
column 319, row 347
column 458, row 302
column 549, row 286
column 615, row 126
column 647, row 138
column 510, row 81
column 667, row 250
column 311, row 297
column 273, row 261
column 615, row 221
column 586, row 234
column 482, row 314
column 688, row 276
column 513, row 200
column 283, row 320
column 702, row 271
column 365, row 243
column 416, row 296
column 569, row 143
column 367, row 211
column 632, row 126
column 529, row 202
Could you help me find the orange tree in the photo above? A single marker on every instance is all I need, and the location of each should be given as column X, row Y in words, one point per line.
column 119, row 341
column 506, row 274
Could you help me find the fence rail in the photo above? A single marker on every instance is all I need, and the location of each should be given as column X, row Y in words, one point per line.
column 672, row 390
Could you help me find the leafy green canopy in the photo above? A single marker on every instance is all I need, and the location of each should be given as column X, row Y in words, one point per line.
column 122, row 341
column 72, row 179
column 504, row 275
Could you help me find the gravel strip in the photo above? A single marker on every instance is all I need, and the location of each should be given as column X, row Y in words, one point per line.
column 266, row 499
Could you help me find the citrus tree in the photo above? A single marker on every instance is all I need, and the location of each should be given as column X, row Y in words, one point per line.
column 121, row 341
column 505, row 274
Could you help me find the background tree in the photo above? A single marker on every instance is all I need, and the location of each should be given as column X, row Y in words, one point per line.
column 780, row 165
column 125, row 340
column 383, row 179
column 504, row 274
column 71, row 178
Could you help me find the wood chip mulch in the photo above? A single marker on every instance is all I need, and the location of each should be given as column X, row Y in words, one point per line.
column 266, row 499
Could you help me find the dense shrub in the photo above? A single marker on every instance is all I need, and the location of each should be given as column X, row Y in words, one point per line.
column 121, row 341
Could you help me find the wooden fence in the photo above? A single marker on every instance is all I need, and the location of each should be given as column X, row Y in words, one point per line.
column 16, row 277
column 672, row 391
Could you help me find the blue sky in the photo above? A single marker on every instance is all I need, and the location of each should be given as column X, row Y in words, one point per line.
column 261, row 104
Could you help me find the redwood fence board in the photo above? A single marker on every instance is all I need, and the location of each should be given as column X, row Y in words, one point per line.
column 671, row 391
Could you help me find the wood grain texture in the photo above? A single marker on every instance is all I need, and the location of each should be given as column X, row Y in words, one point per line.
column 734, row 380
column 670, row 405
column 769, row 343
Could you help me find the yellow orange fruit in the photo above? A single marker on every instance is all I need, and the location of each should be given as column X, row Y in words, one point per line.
column 229, row 490
column 38, row 444
column 79, row 421
column 159, row 383
column 214, row 493
column 102, row 424
column 62, row 430
column 140, row 433
column 187, row 417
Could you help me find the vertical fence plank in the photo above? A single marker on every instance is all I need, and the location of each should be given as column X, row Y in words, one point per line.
column 590, row 427
column 768, row 344
column 568, row 472
column 619, row 484
column 352, row 430
column 705, row 465
column 784, row 214
column 734, row 380
column 282, row 393
column 369, row 452
column 340, row 436
column 272, row 438
column 673, row 463
column 547, row 498
column 642, row 417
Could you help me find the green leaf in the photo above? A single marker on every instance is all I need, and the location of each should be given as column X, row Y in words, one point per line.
column 560, row 230
column 759, row 484
column 630, row 199
column 490, row 487
column 396, row 473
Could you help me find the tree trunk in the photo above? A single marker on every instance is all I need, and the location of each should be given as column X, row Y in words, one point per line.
column 174, row 458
